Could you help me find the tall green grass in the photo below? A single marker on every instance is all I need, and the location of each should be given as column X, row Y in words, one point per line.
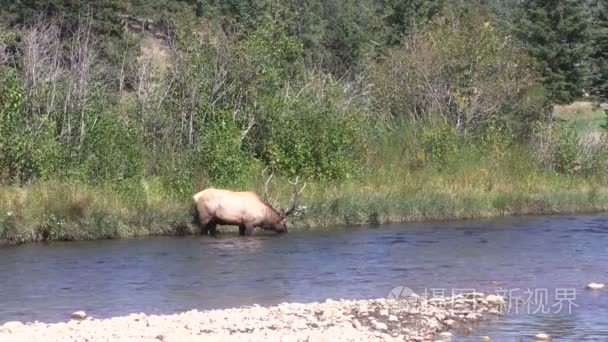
column 399, row 182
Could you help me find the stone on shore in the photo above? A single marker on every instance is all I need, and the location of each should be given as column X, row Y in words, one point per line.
column 79, row 315
column 446, row 335
column 10, row 326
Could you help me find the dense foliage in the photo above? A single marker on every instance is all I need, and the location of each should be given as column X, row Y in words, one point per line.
column 599, row 55
column 557, row 34
column 212, row 92
column 460, row 68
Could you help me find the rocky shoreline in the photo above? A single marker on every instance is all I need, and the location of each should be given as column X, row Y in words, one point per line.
column 411, row 319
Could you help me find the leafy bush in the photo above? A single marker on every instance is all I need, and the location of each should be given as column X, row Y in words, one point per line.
column 112, row 151
column 495, row 140
column 460, row 67
column 269, row 57
column 566, row 149
column 441, row 144
column 27, row 150
column 557, row 147
column 220, row 152
column 595, row 160
column 315, row 140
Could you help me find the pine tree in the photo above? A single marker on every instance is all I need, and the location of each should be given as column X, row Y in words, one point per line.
column 406, row 15
column 599, row 57
column 557, row 33
column 200, row 8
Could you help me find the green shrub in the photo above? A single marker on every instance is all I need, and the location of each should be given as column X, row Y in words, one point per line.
column 441, row 144
column 594, row 157
column 315, row 140
column 460, row 66
column 220, row 152
column 494, row 141
column 112, row 151
column 595, row 161
column 27, row 149
column 557, row 147
column 566, row 149
column 179, row 172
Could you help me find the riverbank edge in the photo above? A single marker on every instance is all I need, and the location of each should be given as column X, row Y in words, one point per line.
column 406, row 318
column 175, row 220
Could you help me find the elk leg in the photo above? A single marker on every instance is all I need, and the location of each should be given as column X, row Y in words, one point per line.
column 204, row 225
column 242, row 229
column 212, row 228
column 204, row 229
column 249, row 229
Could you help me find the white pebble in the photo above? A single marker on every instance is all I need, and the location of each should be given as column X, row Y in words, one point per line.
column 595, row 286
column 495, row 299
column 11, row 326
column 79, row 315
column 380, row 326
column 446, row 335
column 542, row 337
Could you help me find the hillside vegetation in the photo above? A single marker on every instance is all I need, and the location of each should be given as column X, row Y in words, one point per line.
column 114, row 113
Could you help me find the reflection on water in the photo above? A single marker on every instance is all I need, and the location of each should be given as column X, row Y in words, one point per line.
column 164, row 275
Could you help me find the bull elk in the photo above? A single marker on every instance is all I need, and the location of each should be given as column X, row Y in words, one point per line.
column 244, row 209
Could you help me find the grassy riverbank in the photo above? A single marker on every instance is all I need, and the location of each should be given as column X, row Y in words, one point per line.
column 394, row 191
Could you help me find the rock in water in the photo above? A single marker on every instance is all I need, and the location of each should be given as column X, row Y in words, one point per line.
column 79, row 315
column 495, row 299
column 595, row 286
column 542, row 337
column 485, row 339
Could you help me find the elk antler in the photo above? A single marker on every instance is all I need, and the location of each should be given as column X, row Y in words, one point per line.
column 266, row 194
column 296, row 193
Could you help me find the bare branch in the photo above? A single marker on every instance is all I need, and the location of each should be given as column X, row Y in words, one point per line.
column 249, row 126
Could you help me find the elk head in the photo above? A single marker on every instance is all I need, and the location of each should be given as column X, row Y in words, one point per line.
column 281, row 225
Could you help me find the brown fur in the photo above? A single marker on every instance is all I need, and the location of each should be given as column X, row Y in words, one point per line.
column 244, row 209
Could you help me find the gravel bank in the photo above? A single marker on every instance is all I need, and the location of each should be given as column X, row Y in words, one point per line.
column 415, row 319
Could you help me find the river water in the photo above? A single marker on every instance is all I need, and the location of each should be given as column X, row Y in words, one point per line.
column 545, row 261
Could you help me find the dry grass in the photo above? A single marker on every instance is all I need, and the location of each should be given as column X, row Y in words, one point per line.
column 579, row 109
column 157, row 52
column 587, row 118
